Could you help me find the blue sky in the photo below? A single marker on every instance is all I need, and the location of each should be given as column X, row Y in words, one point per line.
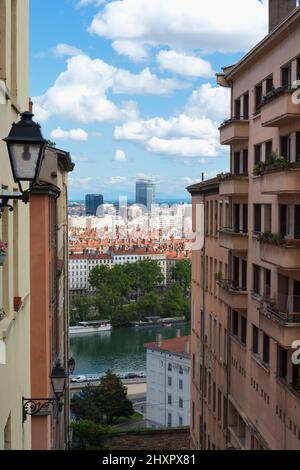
column 128, row 86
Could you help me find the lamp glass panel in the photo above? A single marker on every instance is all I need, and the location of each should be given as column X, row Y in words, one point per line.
column 25, row 158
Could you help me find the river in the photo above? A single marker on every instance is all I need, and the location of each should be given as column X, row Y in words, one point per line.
column 121, row 350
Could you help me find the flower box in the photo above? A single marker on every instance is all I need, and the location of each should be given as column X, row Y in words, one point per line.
column 3, row 248
column 2, row 258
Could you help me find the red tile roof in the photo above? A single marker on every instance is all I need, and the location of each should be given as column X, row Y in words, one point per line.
column 89, row 256
column 174, row 345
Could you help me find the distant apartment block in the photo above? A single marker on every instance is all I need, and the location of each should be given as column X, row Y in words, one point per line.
column 92, row 202
column 168, row 381
column 245, row 389
column 145, row 193
column 81, row 264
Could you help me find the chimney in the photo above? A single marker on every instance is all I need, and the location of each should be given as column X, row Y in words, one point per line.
column 279, row 10
column 159, row 339
column 30, row 107
column 178, row 333
column 187, row 346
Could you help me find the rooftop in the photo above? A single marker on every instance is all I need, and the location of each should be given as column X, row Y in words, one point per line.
column 174, row 345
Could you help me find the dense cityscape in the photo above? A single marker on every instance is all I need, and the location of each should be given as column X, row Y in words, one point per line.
column 145, row 310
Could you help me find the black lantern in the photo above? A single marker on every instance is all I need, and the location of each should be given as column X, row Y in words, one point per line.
column 26, row 148
column 58, row 380
column 71, row 365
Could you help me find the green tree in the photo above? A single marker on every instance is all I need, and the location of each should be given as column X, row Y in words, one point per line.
column 150, row 275
column 111, row 397
column 182, row 273
column 175, row 304
column 80, row 309
column 88, row 435
column 50, row 143
column 85, row 406
column 99, row 276
column 149, row 305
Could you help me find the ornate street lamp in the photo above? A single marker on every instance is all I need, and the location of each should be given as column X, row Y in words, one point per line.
column 32, row 406
column 26, row 148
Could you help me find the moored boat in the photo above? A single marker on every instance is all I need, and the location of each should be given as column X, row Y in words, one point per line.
column 90, row 327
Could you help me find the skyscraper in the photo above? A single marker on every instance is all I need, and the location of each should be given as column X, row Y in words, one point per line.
column 92, row 202
column 145, row 193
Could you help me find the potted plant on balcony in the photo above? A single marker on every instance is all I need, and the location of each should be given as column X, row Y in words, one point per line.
column 3, row 248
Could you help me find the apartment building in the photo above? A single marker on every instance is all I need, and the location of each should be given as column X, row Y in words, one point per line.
column 82, row 264
column 14, row 231
column 168, row 381
column 49, row 323
column 257, row 262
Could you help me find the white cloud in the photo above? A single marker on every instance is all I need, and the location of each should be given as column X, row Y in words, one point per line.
column 80, row 93
column 218, row 25
column 131, row 49
column 120, row 156
column 61, row 50
column 209, row 101
column 72, row 134
column 79, row 159
column 114, row 180
column 192, row 133
column 81, row 183
column 183, row 64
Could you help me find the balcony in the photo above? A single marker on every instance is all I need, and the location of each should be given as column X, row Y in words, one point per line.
column 278, row 108
column 233, row 185
column 234, row 131
column 281, row 181
column 284, row 254
column 233, row 240
column 233, row 295
column 285, row 309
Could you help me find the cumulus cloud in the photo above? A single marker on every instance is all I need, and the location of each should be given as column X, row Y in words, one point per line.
column 61, row 50
column 183, row 64
column 218, row 25
column 192, row 133
column 120, row 156
column 80, row 93
column 72, row 134
column 131, row 49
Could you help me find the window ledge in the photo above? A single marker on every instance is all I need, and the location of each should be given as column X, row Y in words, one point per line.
column 260, row 362
column 239, row 342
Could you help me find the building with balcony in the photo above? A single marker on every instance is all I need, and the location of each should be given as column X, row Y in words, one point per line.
column 246, row 274
column 14, row 231
column 49, row 323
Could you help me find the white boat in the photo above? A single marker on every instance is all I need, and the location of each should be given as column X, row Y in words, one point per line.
column 90, row 327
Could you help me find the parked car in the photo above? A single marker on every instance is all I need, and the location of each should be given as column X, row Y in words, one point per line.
column 132, row 376
column 78, row 378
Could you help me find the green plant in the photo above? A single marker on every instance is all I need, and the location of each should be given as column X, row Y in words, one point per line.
column 259, row 167
column 269, row 237
column 218, row 276
column 223, row 176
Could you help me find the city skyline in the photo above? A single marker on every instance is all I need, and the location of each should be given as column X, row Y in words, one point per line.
column 141, row 107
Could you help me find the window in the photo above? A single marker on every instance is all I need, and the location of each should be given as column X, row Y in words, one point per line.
column 255, row 336
column 169, row 420
column 257, row 153
column 180, row 384
column 246, row 105
column 257, row 219
column 266, row 349
column 258, row 97
column 236, row 163
column 237, row 109
column 180, row 370
column 214, row 397
column 285, row 147
column 180, row 421
column 169, row 381
column 244, row 330
column 269, row 84
column 235, row 323
column 169, row 367
column 169, row 399
column 180, row 403
column 282, row 361
column 268, row 149
column 256, row 279
column 245, row 161
column 286, row 76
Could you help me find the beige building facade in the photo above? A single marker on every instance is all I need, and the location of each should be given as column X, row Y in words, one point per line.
column 14, row 230
column 257, row 262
